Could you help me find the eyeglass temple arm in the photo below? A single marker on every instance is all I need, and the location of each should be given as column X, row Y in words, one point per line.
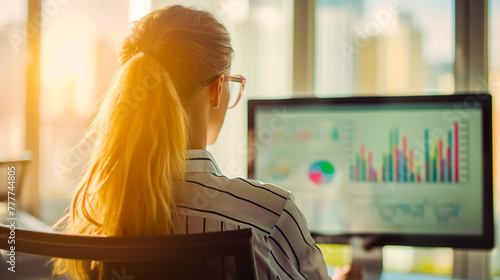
column 236, row 79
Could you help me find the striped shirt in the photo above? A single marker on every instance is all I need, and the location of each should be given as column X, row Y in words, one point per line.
column 209, row 201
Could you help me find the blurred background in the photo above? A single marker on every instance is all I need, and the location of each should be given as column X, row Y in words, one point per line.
column 359, row 47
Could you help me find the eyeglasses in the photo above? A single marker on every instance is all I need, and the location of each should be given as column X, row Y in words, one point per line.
column 236, row 84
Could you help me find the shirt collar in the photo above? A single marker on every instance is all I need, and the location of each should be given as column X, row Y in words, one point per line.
column 201, row 161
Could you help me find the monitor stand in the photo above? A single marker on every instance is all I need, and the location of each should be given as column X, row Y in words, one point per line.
column 471, row 264
column 370, row 260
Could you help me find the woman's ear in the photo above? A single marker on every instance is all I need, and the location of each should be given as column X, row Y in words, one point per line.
column 217, row 92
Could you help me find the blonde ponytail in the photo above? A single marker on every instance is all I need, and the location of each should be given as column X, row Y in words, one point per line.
column 141, row 130
column 139, row 151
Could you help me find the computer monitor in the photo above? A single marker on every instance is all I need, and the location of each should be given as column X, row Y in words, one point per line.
column 413, row 170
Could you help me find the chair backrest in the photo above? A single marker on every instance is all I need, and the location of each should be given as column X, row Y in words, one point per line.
column 191, row 256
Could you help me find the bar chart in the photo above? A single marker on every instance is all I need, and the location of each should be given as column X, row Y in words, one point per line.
column 428, row 157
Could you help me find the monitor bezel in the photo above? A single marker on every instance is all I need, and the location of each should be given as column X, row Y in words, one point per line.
column 462, row 100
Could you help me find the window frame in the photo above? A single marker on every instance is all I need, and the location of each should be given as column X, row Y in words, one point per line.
column 31, row 195
column 471, row 75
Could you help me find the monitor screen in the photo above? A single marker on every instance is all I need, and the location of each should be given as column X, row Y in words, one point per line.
column 401, row 166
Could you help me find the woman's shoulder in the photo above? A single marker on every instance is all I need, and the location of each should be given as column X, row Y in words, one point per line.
column 239, row 201
column 265, row 195
column 263, row 188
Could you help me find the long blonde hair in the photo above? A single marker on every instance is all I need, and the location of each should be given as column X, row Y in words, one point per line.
column 141, row 129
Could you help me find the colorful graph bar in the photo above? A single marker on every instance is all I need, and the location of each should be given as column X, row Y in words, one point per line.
column 441, row 160
column 427, row 157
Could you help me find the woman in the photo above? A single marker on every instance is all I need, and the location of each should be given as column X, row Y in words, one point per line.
column 149, row 172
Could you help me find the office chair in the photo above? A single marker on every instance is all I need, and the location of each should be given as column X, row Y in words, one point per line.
column 192, row 256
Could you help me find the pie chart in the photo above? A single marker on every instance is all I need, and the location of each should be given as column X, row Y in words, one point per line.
column 321, row 172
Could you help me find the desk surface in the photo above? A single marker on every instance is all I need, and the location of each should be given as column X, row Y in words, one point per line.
column 411, row 276
column 23, row 221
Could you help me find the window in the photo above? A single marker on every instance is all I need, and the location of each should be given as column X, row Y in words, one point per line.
column 13, row 58
column 384, row 47
column 79, row 47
